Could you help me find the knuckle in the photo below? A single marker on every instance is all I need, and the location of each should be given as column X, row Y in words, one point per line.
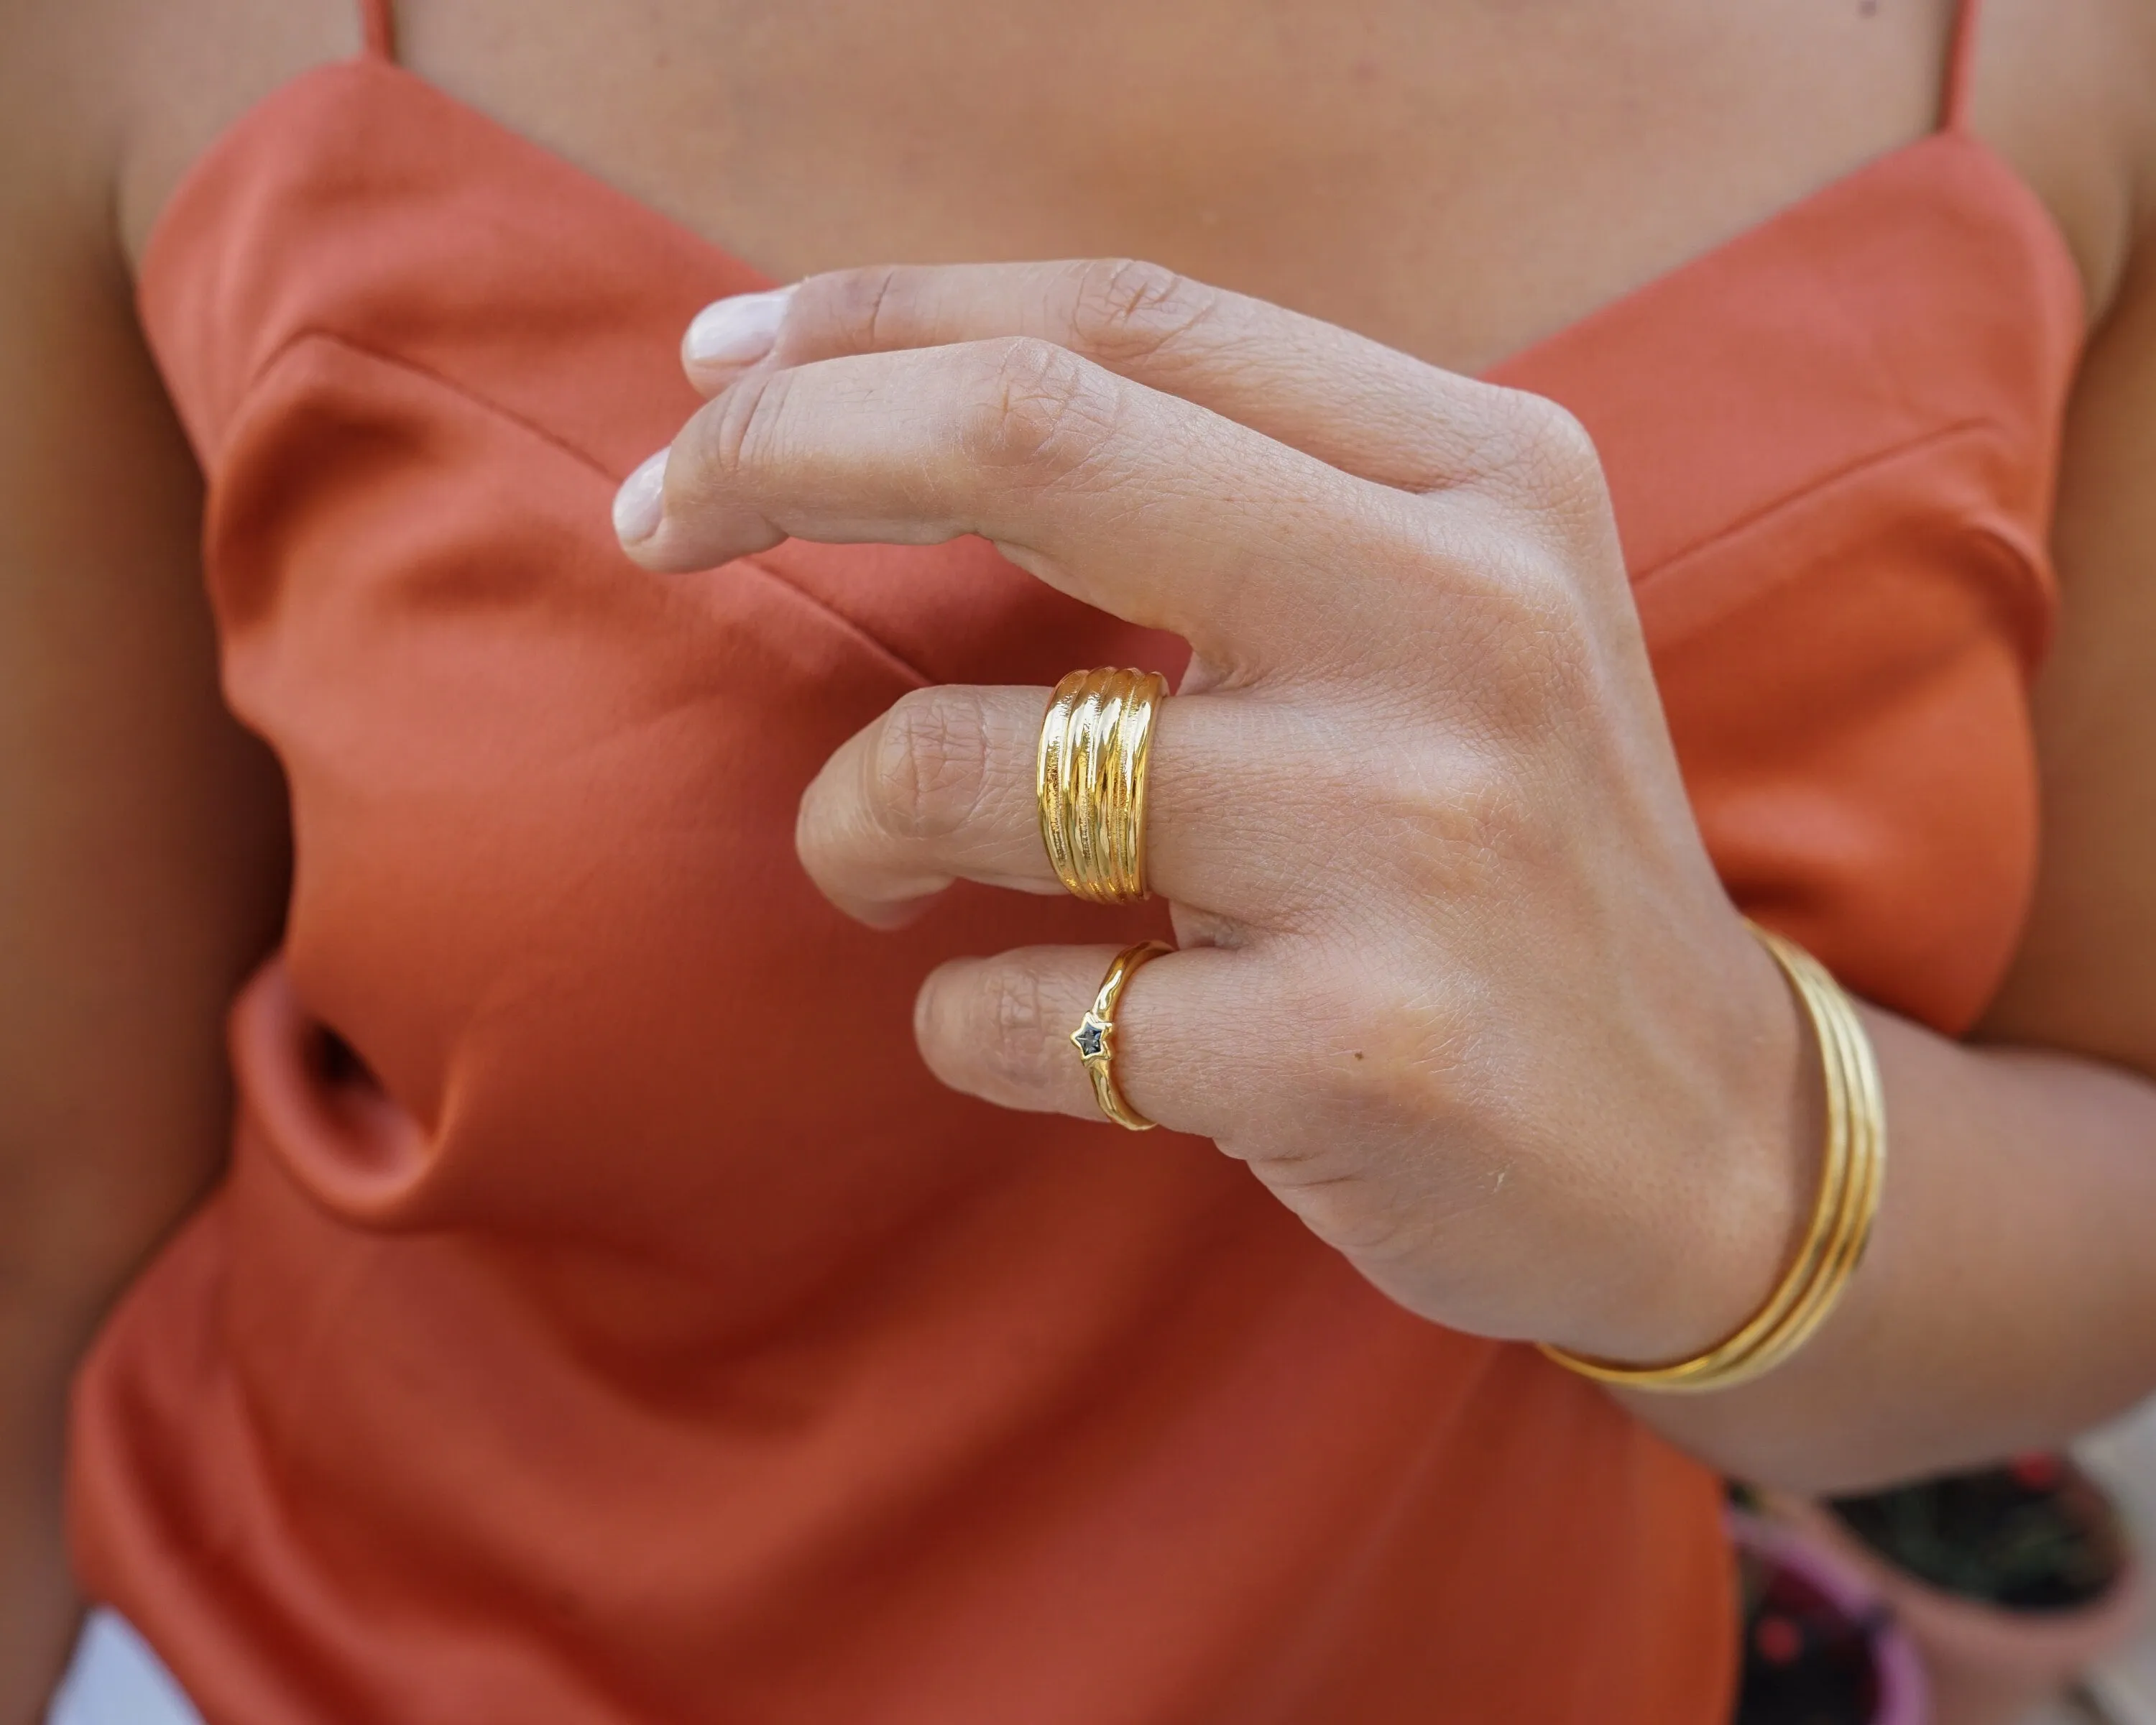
column 1540, row 451
column 1040, row 411
column 1127, row 311
column 855, row 310
column 1516, row 610
column 928, row 770
column 738, row 432
column 1492, row 827
column 1543, row 673
column 1462, row 837
column 1014, row 1022
column 1556, row 435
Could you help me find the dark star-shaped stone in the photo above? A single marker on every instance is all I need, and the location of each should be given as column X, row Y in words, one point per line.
column 1092, row 1037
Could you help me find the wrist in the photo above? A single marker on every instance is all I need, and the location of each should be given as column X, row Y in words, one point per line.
column 1740, row 1192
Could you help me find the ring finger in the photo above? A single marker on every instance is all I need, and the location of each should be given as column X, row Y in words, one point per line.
column 999, row 1028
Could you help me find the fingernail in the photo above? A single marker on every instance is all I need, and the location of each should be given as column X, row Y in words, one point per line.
column 737, row 331
column 640, row 503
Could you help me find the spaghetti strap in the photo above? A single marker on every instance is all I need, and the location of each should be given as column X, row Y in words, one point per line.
column 379, row 25
column 1961, row 66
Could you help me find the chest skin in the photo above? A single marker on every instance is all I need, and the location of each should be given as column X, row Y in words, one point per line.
column 1457, row 178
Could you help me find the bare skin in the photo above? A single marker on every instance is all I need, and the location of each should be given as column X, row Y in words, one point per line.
column 1452, row 177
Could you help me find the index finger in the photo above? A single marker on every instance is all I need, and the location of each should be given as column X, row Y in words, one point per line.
column 1353, row 403
column 1137, row 502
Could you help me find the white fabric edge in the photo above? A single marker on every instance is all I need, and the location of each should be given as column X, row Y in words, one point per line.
column 115, row 1679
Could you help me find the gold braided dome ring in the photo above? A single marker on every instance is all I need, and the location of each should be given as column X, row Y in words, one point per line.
column 1090, row 778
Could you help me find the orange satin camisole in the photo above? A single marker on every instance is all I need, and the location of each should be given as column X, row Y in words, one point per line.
column 607, row 1321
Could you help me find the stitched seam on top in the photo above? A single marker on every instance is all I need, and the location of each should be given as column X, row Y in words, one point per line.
column 584, row 458
column 1877, row 458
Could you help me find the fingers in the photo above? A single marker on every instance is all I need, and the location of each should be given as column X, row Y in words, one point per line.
column 1134, row 502
column 1350, row 402
column 939, row 788
column 999, row 1028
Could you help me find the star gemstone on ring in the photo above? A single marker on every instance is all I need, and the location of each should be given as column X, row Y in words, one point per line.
column 1090, row 1038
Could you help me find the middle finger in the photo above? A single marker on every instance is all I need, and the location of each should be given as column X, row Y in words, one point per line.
column 940, row 788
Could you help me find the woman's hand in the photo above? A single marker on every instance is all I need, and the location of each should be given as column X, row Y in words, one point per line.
column 1457, row 979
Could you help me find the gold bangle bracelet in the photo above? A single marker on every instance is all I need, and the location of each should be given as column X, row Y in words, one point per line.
column 1853, row 1164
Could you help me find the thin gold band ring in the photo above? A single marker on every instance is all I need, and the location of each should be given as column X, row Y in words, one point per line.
column 1094, row 1037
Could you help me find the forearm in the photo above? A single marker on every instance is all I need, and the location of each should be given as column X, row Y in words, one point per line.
column 2009, row 1298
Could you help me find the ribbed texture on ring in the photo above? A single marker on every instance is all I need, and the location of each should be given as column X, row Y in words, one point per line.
column 1089, row 775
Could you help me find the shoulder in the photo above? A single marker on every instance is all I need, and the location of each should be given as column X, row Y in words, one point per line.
column 106, row 102
column 60, row 112
column 2086, row 978
column 2133, row 22
column 2066, row 89
column 2124, row 79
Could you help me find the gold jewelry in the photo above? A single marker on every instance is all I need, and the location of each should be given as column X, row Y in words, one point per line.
column 1090, row 778
column 1094, row 1037
column 1853, row 1165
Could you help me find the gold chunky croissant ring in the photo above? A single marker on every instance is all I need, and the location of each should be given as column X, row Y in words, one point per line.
column 1090, row 777
column 1094, row 1037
